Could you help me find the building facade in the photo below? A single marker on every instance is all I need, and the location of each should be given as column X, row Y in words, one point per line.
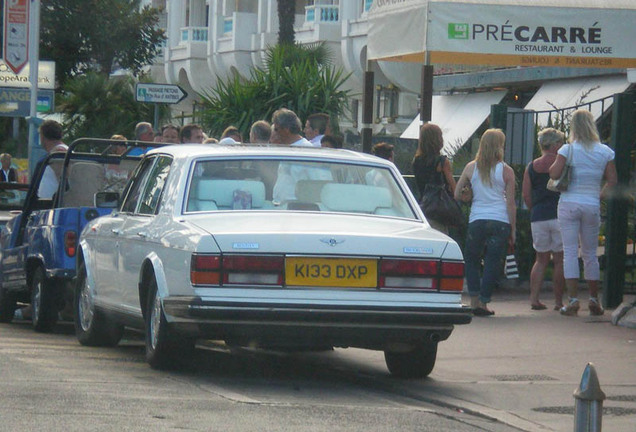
column 210, row 40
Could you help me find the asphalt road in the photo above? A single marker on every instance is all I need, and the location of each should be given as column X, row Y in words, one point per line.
column 515, row 371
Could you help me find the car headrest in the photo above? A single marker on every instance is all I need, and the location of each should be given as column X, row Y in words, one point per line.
column 223, row 192
column 354, row 197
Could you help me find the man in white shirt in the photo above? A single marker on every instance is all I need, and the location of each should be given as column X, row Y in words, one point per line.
column 51, row 141
column 316, row 127
column 286, row 130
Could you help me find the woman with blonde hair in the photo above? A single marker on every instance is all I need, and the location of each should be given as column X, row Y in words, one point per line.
column 431, row 168
column 579, row 210
column 492, row 221
column 544, row 225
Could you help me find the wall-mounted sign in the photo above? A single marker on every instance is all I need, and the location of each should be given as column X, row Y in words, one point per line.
column 159, row 93
column 46, row 76
column 16, row 33
column 16, row 102
column 568, row 33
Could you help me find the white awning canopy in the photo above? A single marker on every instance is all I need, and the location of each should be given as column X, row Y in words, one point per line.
column 563, row 94
column 458, row 116
column 560, row 33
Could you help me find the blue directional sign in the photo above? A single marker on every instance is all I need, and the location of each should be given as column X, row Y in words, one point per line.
column 16, row 102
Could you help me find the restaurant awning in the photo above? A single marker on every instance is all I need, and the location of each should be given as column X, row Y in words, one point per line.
column 459, row 116
column 561, row 33
column 574, row 92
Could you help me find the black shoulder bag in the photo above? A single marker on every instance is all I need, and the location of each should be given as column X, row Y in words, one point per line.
column 437, row 203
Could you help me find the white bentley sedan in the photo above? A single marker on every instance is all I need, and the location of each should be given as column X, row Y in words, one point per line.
column 270, row 247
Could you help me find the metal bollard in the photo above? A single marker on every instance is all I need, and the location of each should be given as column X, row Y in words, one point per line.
column 588, row 405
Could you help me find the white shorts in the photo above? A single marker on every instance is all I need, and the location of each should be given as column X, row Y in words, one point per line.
column 546, row 236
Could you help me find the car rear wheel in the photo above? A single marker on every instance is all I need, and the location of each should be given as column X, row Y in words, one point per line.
column 44, row 312
column 92, row 326
column 416, row 363
column 8, row 305
column 165, row 349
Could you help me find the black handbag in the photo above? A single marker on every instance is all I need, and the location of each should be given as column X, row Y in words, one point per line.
column 438, row 205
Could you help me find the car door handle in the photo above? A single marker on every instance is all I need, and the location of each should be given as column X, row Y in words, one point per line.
column 142, row 234
column 115, row 231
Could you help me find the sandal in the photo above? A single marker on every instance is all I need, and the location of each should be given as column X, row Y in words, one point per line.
column 538, row 306
column 483, row 311
column 572, row 309
column 595, row 308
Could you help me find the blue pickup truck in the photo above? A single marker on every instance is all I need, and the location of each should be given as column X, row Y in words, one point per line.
column 38, row 245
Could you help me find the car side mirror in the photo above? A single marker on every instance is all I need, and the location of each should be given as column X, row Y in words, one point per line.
column 106, row 199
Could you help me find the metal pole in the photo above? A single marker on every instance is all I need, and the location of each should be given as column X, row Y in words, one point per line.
column 618, row 204
column 367, row 112
column 34, row 60
column 588, row 406
column 498, row 116
column 156, row 120
column 426, row 99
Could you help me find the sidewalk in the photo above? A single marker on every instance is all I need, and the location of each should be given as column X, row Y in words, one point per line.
column 522, row 366
column 624, row 315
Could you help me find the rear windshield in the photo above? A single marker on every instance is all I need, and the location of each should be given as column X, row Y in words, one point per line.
column 295, row 186
column 12, row 196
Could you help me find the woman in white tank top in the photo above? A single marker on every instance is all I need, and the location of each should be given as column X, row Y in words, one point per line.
column 491, row 227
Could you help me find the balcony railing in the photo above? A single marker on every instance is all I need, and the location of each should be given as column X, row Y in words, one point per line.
column 228, row 25
column 322, row 13
column 194, row 34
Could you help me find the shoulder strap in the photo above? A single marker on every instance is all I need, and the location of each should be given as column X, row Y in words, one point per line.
column 441, row 160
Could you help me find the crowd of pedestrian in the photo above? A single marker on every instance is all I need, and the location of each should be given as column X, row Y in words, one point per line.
column 562, row 223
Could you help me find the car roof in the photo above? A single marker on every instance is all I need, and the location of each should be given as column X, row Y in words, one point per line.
column 183, row 151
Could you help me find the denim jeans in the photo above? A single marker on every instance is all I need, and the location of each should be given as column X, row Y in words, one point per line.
column 487, row 238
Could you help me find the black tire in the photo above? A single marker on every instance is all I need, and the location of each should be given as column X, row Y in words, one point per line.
column 8, row 305
column 92, row 326
column 417, row 363
column 165, row 349
column 44, row 311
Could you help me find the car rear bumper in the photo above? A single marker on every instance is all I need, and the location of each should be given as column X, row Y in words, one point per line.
column 313, row 325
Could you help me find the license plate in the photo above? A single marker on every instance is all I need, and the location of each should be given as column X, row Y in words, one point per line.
column 333, row 272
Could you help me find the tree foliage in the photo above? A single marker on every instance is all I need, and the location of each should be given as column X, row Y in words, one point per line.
column 98, row 35
column 307, row 85
column 96, row 106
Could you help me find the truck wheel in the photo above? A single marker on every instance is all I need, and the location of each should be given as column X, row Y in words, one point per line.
column 417, row 363
column 164, row 348
column 8, row 305
column 92, row 326
column 44, row 312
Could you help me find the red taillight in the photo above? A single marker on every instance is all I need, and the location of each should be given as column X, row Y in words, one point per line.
column 452, row 269
column 421, row 275
column 70, row 243
column 408, row 267
column 452, row 276
column 205, row 269
column 236, row 270
column 408, row 274
column 253, row 263
column 206, row 262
